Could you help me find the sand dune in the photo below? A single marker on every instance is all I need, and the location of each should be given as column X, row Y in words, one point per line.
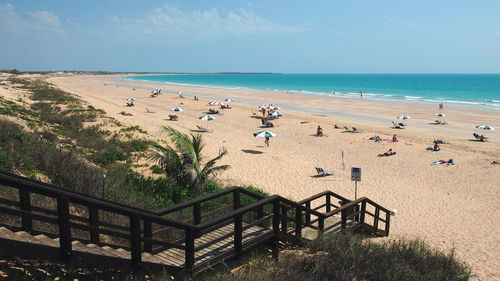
column 448, row 206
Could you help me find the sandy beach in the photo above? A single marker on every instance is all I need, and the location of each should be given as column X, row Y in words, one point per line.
column 449, row 206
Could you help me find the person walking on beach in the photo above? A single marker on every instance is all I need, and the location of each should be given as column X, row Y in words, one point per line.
column 361, row 94
column 267, row 141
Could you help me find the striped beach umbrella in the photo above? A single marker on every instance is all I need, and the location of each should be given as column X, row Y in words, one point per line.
column 206, row 118
column 264, row 134
column 177, row 109
column 131, row 99
column 440, row 114
column 272, row 107
column 404, row 117
column 485, row 127
column 275, row 114
column 229, row 100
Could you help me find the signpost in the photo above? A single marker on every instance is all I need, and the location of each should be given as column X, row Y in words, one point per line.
column 355, row 177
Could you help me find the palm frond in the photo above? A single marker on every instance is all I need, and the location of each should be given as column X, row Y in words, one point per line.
column 209, row 166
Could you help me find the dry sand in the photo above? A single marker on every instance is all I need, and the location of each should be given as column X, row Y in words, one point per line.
column 447, row 206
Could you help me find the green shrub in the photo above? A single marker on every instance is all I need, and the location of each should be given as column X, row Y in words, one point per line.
column 345, row 256
column 108, row 156
column 156, row 169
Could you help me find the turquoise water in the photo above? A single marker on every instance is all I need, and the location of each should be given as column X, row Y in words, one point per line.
column 458, row 90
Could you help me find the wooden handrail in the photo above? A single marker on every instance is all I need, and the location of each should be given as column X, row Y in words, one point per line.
column 237, row 212
column 78, row 198
column 194, row 201
column 304, row 208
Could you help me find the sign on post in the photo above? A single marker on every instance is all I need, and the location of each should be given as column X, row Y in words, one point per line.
column 355, row 174
column 355, row 177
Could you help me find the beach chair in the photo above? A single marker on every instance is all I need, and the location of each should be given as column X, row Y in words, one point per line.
column 203, row 129
column 267, row 123
column 480, row 137
column 352, row 130
column 322, row 172
column 397, row 125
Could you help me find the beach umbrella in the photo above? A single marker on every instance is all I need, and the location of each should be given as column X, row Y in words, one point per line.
column 275, row 114
column 220, row 104
column 485, row 127
column 179, row 92
column 274, row 107
column 440, row 114
column 206, row 118
column 264, row 134
column 177, row 109
column 264, row 106
column 212, row 103
column 229, row 100
column 131, row 99
column 404, row 117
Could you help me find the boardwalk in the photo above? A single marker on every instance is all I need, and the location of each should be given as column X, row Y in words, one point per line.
column 175, row 257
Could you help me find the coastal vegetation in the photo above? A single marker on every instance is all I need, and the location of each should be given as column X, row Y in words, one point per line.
column 346, row 256
column 77, row 146
column 184, row 162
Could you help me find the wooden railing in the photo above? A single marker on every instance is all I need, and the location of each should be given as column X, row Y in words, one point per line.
column 73, row 216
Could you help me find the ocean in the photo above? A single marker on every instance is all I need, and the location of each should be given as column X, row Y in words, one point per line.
column 480, row 91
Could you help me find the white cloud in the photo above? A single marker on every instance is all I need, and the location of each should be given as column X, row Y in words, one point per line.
column 169, row 20
column 38, row 21
column 410, row 24
column 407, row 24
column 45, row 18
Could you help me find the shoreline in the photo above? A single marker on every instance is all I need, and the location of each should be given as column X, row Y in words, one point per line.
column 451, row 207
column 408, row 99
column 349, row 109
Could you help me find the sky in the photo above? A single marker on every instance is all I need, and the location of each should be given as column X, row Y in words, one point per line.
column 285, row 36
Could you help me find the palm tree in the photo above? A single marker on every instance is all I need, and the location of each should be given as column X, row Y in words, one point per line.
column 183, row 163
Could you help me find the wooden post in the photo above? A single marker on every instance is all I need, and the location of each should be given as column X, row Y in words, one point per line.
column 197, row 213
column 135, row 241
column 363, row 210
column 236, row 199
column 298, row 221
column 64, row 228
column 308, row 215
column 284, row 219
column 321, row 223
column 94, row 222
column 276, row 229
column 387, row 223
column 328, row 199
column 238, row 233
column 375, row 219
column 189, row 256
column 25, row 204
column 260, row 214
column 343, row 219
column 148, row 234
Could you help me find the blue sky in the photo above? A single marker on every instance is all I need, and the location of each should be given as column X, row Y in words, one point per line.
column 364, row 36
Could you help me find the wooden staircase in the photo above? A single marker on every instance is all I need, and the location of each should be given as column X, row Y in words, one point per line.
column 186, row 237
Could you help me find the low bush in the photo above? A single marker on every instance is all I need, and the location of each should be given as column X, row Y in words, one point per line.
column 346, row 256
column 156, row 169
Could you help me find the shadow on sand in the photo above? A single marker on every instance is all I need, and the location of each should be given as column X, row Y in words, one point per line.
column 251, row 151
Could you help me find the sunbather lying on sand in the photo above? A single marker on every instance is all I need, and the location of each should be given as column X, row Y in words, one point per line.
column 387, row 153
column 126, row 113
column 451, row 162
